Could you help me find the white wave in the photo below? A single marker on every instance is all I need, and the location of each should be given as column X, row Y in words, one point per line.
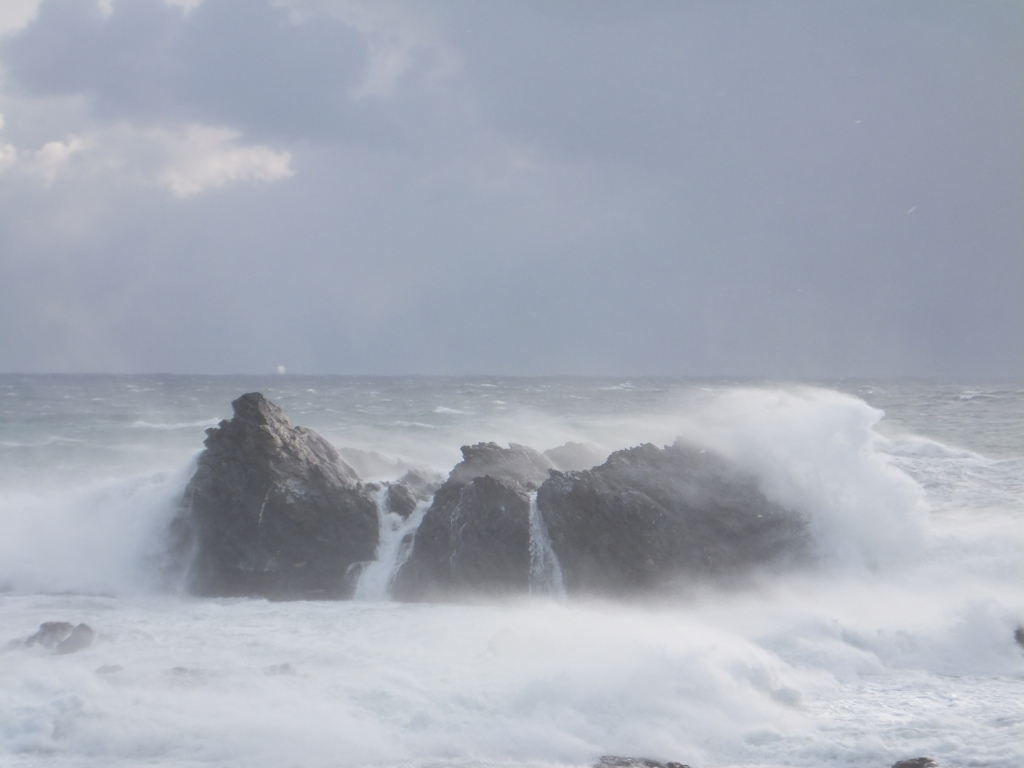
column 48, row 441
column 914, row 445
column 777, row 679
column 817, row 451
column 96, row 537
column 177, row 425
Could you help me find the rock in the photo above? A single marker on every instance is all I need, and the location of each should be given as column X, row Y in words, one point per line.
column 516, row 464
column 81, row 637
column 401, row 500
column 650, row 518
column 408, row 491
column 612, row 761
column 50, row 634
column 572, row 457
column 1018, row 636
column 475, row 538
column 272, row 511
column 917, row 762
column 62, row 636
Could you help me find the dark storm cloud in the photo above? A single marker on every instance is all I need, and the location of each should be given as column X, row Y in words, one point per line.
column 786, row 189
column 241, row 62
column 851, row 167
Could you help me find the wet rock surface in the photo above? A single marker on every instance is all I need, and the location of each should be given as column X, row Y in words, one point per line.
column 411, row 489
column 475, row 538
column 654, row 517
column 272, row 511
column 50, row 633
column 62, row 637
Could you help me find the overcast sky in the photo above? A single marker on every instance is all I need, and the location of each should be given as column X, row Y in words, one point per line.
column 769, row 188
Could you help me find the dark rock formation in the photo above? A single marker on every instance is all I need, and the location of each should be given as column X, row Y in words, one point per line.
column 272, row 511
column 516, row 464
column 651, row 517
column 475, row 538
column 50, row 633
column 62, row 636
column 409, row 490
column 1018, row 636
column 917, row 762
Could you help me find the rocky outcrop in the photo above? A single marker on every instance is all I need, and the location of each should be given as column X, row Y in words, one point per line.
column 475, row 538
column 916, row 762
column 62, row 637
column 49, row 634
column 651, row 517
column 411, row 489
column 272, row 511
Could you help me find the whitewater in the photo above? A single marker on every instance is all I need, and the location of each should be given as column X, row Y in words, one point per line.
column 897, row 641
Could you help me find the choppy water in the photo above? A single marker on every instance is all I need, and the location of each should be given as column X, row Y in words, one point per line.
column 898, row 643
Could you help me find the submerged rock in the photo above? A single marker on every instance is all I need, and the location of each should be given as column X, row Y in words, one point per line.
column 475, row 538
column 916, row 762
column 272, row 511
column 62, row 636
column 50, row 633
column 654, row 517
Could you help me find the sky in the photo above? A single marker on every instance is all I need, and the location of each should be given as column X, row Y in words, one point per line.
column 689, row 188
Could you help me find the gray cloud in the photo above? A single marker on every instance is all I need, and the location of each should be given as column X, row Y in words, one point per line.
column 236, row 61
column 778, row 189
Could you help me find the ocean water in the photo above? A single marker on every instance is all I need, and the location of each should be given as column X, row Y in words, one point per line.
column 897, row 642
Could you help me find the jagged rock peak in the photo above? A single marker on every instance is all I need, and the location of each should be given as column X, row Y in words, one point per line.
column 261, row 428
column 272, row 511
column 517, row 463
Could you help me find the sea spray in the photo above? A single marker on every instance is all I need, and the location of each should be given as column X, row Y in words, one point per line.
column 107, row 536
column 545, row 571
column 818, row 451
column 853, row 667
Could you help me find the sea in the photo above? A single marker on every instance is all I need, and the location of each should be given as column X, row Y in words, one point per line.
column 897, row 641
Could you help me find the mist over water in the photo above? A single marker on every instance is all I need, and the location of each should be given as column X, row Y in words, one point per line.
column 897, row 641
